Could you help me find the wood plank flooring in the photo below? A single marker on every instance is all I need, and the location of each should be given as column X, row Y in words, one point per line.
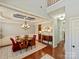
column 57, row 53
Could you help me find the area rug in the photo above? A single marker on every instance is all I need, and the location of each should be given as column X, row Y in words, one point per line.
column 6, row 52
column 47, row 56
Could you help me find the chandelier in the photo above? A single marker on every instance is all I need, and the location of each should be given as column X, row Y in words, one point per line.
column 25, row 25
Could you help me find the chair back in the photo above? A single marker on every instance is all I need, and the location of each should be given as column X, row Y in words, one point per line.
column 33, row 41
column 34, row 37
column 26, row 37
column 13, row 42
column 50, row 38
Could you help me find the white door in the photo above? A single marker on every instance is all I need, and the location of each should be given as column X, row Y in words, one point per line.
column 72, row 39
column 75, row 38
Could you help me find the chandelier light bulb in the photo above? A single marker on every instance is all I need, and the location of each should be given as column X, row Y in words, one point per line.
column 25, row 25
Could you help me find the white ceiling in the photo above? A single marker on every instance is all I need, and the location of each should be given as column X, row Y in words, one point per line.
column 7, row 15
column 7, row 12
column 35, row 7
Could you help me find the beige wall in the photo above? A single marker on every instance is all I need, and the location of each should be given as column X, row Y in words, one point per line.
column 13, row 29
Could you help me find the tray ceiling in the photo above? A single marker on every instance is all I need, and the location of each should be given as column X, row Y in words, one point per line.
column 14, row 15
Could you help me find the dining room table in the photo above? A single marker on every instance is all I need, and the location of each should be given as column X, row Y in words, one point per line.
column 23, row 43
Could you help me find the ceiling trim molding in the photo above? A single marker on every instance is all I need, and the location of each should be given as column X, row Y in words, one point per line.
column 20, row 10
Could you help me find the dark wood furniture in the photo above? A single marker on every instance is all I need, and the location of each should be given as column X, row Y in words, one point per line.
column 39, row 34
column 48, row 38
column 22, row 43
column 32, row 42
column 15, row 46
column 39, row 38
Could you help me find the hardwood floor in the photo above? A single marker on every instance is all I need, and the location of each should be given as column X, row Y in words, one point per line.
column 57, row 53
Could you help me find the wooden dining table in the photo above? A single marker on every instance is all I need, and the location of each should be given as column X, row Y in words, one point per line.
column 22, row 39
column 22, row 42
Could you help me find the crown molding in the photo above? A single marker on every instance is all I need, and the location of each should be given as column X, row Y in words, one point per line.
column 20, row 10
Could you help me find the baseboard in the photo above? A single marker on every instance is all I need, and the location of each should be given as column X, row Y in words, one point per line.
column 5, row 45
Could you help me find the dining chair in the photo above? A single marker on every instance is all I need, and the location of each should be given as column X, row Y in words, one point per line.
column 26, row 41
column 15, row 45
column 26, row 37
column 23, row 45
column 32, row 42
column 50, row 38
